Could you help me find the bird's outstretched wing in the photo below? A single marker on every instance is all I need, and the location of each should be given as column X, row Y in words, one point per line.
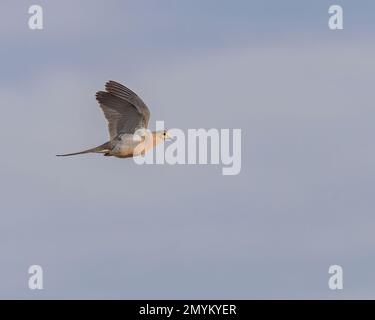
column 124, row 110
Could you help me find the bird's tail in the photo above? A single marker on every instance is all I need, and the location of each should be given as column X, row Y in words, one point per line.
column 104, row 148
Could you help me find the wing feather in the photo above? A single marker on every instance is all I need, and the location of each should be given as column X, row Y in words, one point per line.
column 123, row 109
column 126, row 94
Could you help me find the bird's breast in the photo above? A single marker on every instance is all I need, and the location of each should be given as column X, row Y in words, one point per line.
column 127, row 146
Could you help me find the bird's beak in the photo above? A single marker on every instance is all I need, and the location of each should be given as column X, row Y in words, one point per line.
column 169, row 137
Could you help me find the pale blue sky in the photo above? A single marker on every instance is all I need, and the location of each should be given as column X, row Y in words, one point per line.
column 108, row 228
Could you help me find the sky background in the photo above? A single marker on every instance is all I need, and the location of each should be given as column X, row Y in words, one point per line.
column 102, row 227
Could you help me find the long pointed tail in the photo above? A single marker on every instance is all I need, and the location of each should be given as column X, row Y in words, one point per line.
column 101, row 149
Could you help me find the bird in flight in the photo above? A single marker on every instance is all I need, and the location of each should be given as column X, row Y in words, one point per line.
column 126, row 113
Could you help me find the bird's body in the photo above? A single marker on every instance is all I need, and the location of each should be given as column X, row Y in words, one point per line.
column 127, row 117
column 127, row 145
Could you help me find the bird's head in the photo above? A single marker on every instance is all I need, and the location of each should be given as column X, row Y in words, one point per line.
column 164, row 135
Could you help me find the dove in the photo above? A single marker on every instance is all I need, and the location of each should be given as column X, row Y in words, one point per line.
column 128, row 118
